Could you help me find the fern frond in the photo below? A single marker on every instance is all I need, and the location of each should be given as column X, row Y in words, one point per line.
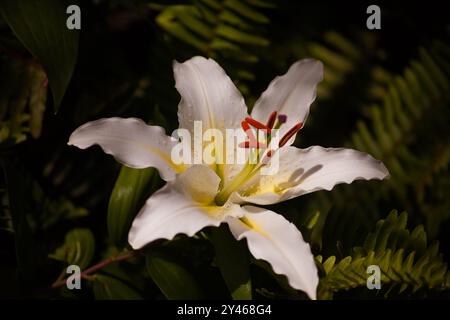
column 229, row 31
column 341, row 58
column 405, row 261
column 407, row 128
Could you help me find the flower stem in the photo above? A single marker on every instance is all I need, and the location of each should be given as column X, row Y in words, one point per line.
column 85, row 274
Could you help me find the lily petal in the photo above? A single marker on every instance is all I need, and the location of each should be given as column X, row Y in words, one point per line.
column 272, row 238
column 303, row 171
column 290, row 94
column 181, row 206
column 200, row 183
column 207, row 95
column 168, row 213
column 132, row 142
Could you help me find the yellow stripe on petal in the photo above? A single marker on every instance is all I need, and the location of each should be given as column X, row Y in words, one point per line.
column 254, row 226
column 178, row 168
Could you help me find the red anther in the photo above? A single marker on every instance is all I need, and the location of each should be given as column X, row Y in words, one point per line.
column 290, row 134
column 252, row 144
column 272, row 118
column 245, row 126
column 248, row 131
column 256, row 124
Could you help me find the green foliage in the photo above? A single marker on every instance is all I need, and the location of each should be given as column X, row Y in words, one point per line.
column 406, row 263
column 47, row 210
column 109, row 288
column 23, row 96
column 232, row 258
column 407, row 131
column 404, row 124
column 173, row 279
column 341, row 58
column 57, row 51
column 229, row 31
column 410, row 99
column 78, row 248
column 56, row 210
column 128, row 196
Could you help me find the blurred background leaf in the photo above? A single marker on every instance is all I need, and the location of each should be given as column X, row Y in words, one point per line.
column 41, row 27
column 78, row 248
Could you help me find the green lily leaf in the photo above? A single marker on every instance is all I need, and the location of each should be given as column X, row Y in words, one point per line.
column 174, row 280
column 109, row 288
column 78, row 248
column 232, row 258
column 128, row 196
column 41, row 26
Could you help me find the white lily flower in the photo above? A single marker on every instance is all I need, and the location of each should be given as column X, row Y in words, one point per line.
column 197, row 196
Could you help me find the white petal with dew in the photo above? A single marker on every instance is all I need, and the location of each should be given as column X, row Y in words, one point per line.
column 207, row 95
column 131, row 141
column 290, row 94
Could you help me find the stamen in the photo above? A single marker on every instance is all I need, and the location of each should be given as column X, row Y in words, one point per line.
column 248, row 131
column 252, row 144
column 256, row 124
column 245, row 126
column 272, row 118
column 290, row 134
column 267, row 157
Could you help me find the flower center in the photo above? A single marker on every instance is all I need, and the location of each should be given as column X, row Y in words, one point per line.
column 260, row 151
